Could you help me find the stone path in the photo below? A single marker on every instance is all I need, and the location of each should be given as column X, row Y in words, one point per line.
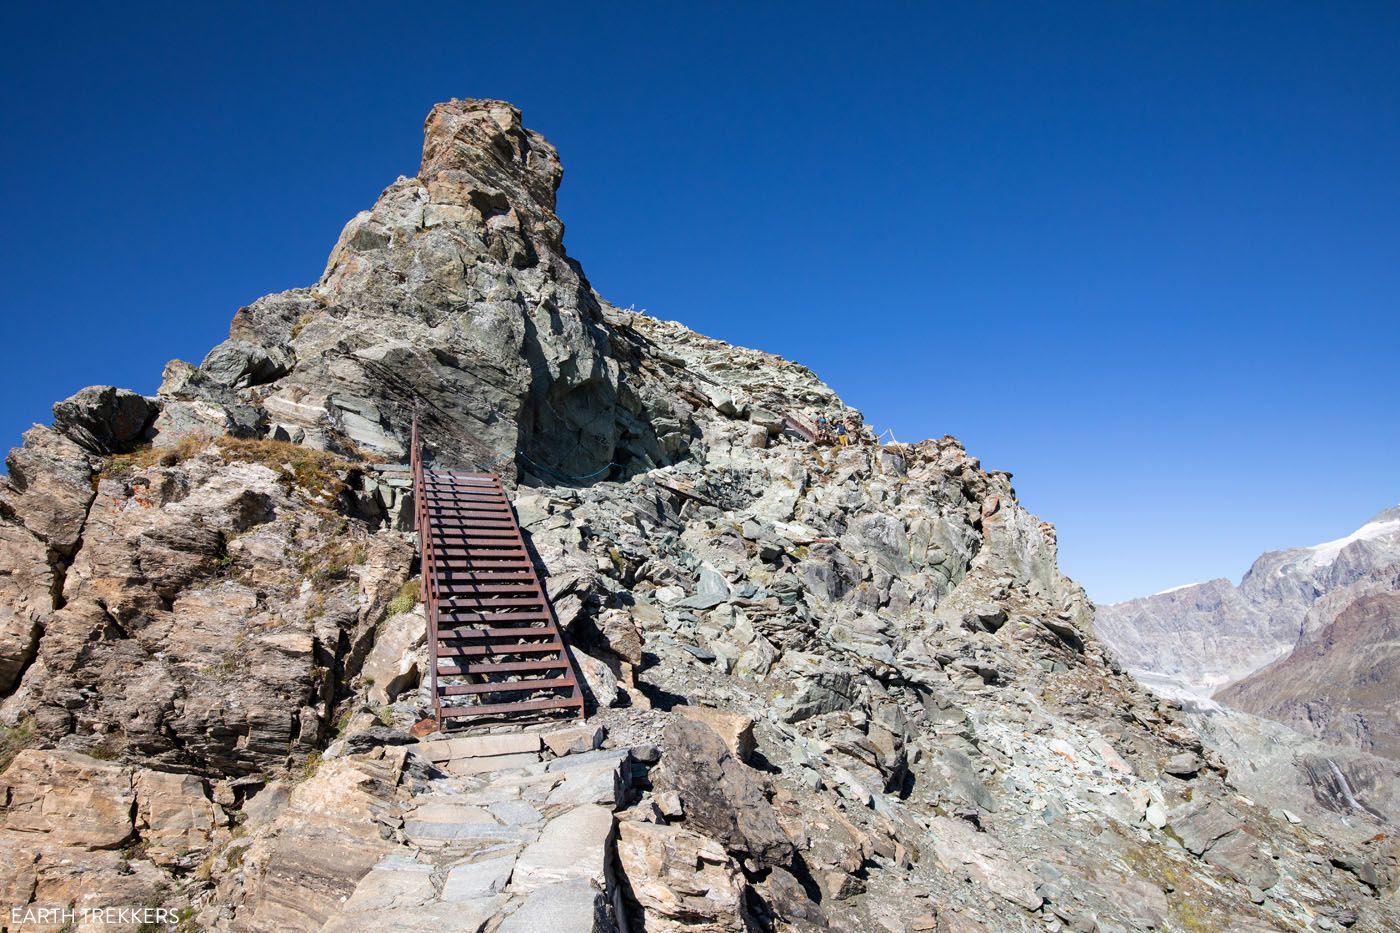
column 513, row 835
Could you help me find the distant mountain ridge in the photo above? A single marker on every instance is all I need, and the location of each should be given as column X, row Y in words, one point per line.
column 1306, row 638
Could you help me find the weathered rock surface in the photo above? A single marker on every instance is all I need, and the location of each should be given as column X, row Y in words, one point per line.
column 680, row 880
column 721, row 796
column 197, row 653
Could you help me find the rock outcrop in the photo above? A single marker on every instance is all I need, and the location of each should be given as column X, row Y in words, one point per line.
column 214, row 639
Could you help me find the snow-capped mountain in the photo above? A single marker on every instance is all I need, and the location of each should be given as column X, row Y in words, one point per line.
column 1302, row 639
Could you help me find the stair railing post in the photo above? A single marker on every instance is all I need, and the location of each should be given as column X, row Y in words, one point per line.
column 426, row 565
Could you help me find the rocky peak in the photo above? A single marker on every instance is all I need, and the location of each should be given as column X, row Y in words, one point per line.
column 452, row 297
column 483, row 141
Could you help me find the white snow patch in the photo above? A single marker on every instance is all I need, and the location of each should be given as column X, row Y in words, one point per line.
column 1173, row 589
column 1327, row 552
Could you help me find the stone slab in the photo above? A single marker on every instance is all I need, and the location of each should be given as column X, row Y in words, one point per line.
column 460, row 917
column 480, row 746
column 446, row 832
column 433, row 811
column 571, row 846
column 587, row 759
column 477, row 880
column 462, row 767
column 515, row 812
column 574, row 740
column 601, row 784
column 577, row 906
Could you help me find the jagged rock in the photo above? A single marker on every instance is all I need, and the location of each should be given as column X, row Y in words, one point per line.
column 104, row 419
column 73, row 800
column 393, row 664
column 49, row 488
column 1184, row 765
column 961, row 849
column 599, row 678
column 220, row 594
column 721, row 796
column 817, row 686
column 175, row 818
column 26, row 599
column 1199, row 828
column 735, row 729
column 574, row 739
column 240, row 365
column 790, row 901
column 678, row 880
column 620, row 635
column 298, row 869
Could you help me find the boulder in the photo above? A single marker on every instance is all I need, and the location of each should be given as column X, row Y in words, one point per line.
column 1184, row 765
column 239, row 364
column 392, row 665
column 678, row 881
column 619, row 633
column 105, row 419
column 735, row 728
column 722, row 797
column 963, row 851
column 598, row 678
column 71, row 799
column 574, row 739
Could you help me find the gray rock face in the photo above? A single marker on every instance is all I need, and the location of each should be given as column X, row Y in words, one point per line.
column 722, row 797
column 452, row 296
column 104, row 420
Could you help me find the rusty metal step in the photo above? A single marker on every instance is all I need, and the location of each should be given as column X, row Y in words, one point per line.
column 448, row 492
column 474, row 588
column 490, row 651
column 490, row 618
column 477, row 530
column 468, row 512
column 467, row 602
column 494, row 709
column 476, row 544
column 508, row 686
column 466, row 668
column 518, row 632
column 481, row 563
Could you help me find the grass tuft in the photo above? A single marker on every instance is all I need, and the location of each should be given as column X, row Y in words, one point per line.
column 405, row 599
column 16, row 739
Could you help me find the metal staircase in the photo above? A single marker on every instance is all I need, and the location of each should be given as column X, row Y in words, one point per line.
column 499, row 651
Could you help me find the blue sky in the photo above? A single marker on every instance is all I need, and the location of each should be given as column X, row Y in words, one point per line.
column 1144, row 255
